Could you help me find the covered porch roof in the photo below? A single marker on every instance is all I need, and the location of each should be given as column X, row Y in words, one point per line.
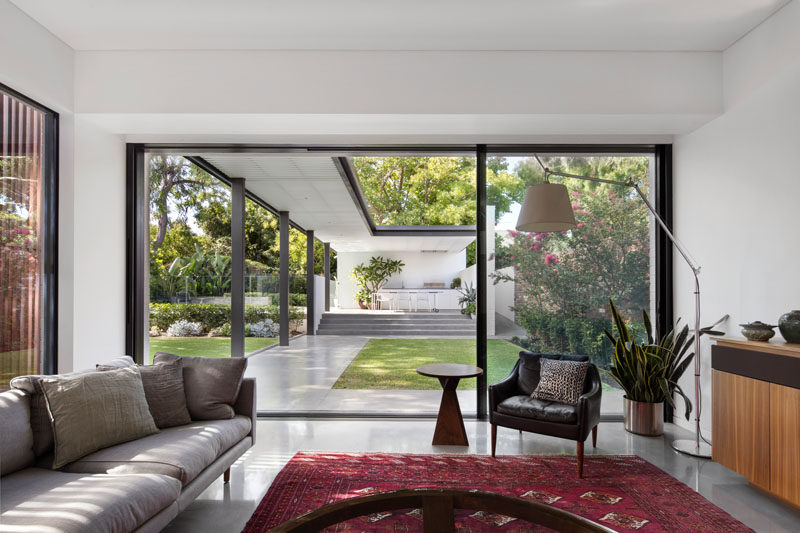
column 321, row 193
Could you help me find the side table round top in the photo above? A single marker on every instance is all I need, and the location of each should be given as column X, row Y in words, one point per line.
column 449, row 370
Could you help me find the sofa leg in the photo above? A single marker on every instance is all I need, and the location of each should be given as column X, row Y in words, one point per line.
column 594, row 437
column 226, row 477
column 580, row 459
column 494, row 439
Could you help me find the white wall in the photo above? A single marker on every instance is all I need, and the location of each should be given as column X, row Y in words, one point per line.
column 504, row 295
column 99, row 258
column 737, row 189
column 319, row 299
column 420, row 268
column 396, row 82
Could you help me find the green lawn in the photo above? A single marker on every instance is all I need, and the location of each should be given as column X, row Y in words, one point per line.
column 205, row 346
column 392, row 363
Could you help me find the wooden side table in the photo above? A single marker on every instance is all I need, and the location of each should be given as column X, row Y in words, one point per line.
column 449, row 423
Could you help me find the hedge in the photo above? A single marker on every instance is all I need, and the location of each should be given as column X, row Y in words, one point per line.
column 558, row 334
column 162, row 315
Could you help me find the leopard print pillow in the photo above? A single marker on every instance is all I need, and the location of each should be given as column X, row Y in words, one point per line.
column 561, row 381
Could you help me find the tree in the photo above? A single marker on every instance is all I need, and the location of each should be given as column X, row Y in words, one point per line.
column 176, row 186
column 433, row 190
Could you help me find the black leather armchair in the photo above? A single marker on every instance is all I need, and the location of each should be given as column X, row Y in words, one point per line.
column 511, row 406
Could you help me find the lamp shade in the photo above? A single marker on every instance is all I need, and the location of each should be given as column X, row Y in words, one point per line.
column 546, row 208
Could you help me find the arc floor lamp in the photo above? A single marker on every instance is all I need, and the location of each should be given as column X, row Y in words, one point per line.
column 547, row 208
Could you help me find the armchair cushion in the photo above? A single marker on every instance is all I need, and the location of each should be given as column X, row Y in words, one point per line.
column 561, row 381
column 527, row 407
column 530, row 368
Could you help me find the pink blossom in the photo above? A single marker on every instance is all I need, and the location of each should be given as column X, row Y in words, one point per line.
column 514, row 233
column 550, row 259
column 22, row 231
column 583, row 212
column 580, row 224
column 513, row 258
column 611, row 230
column 576, row 205
column 575, row 194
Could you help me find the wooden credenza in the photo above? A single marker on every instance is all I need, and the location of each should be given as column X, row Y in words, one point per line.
column 756, row 413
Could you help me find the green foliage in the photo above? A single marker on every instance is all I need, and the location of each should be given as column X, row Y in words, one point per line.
column 433, row 190
column 468, row 299
column 456, row 283
column 638, row 367
column 374, row 275
column 649, row 370
column 211, row 316
column 550, row 333
column 570, row 275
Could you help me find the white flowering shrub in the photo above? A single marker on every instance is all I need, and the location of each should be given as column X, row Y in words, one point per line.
column 265, row 328
column 184, row 328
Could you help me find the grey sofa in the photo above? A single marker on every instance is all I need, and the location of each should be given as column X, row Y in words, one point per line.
column 139, row 485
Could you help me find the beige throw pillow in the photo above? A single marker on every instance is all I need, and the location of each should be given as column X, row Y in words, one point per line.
column 96, row 410
column 211, row 384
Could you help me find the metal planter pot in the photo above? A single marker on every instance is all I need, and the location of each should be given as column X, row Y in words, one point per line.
column 644, row 418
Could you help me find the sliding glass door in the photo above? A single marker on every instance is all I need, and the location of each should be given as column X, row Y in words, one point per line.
column 27, row 237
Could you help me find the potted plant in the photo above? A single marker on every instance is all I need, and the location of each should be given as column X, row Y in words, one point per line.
column 456, row 283
column 374, row 275
column 649, row 371
column 468, row 300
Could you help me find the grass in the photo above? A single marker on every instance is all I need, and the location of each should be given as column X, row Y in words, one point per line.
column 392, row 363
column 205, row 346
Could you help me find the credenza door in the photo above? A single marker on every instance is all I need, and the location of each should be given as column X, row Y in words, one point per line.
column 741, row 426
column 784, row 442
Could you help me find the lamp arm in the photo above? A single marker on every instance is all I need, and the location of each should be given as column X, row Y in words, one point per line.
column 696, row 451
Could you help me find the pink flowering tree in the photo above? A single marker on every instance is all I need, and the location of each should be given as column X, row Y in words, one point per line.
column 565, row 279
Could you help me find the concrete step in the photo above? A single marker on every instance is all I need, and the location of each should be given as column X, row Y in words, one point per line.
column 375, row 327
column 392, row 316
column 401, row 333
column 403, row 323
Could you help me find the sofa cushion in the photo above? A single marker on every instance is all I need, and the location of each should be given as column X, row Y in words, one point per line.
column 40, row 418
column 163, row 389
column 211, row 384
column 95, row 410
column 181, row 452
column 527, row 407
column 37, row 499
column 16, row 436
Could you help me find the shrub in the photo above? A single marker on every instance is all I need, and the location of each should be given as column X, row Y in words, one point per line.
column 223, row 331
column 265, row 328
column 211, row 316
column 184, row 328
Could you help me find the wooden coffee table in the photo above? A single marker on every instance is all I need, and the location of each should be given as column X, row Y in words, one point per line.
column 449, row 424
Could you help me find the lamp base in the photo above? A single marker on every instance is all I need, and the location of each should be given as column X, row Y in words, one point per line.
column 690, row 447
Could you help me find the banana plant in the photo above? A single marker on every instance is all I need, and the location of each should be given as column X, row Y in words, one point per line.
column 175, row 276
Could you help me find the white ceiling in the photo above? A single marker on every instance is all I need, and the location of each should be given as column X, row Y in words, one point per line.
column 312, row 190
column 710, row 25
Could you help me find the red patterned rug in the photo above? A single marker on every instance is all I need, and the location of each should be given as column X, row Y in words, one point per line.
column 623, row 492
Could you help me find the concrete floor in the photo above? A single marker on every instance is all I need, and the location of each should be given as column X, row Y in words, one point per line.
column 226, row 508
column 299, row 378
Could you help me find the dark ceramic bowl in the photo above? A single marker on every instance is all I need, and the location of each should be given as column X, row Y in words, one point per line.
column 758, row 331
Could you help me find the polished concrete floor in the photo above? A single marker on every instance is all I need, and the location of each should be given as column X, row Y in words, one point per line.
column 223, row 508
column 300, row 377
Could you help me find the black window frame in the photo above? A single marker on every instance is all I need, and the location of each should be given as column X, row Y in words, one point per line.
column 50, row 178
column 663, row 201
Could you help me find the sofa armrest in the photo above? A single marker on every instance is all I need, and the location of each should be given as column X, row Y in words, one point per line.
column 246, row 404
column 589, row 403
column 503, row 390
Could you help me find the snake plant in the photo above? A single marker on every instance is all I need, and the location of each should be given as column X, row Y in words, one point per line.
column 649, row 371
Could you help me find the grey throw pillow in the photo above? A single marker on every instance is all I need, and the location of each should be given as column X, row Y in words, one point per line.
column 561, row 381
column 163, row 389
column 40, row 417
column 211, row 384
column 96, row 410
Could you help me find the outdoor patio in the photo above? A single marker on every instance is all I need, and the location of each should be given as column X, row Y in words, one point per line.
column 301, row 377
